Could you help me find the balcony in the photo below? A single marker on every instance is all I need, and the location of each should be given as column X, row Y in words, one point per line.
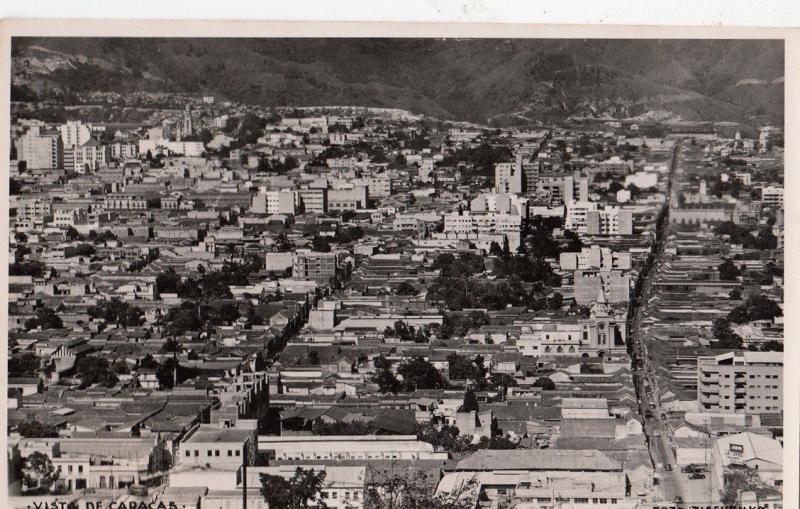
column 711, row 399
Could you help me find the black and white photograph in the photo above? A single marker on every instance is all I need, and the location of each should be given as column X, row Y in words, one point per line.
column 422, row 272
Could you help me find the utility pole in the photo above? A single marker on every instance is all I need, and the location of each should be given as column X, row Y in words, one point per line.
column 244, row 477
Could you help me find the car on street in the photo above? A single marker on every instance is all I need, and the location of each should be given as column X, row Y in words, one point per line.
column 697, row 475
column 668, row 467
column 656, row 434
column 678, row 499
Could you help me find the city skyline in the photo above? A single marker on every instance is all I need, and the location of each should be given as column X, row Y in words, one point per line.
column 507, row 273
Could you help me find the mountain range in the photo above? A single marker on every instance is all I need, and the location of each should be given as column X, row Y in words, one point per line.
column 491, row 81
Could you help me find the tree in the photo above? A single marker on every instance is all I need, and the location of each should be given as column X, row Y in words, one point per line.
column 205, row 136
column 95, row 370
column 545, row 383
column 321, row 244
column 31, row 428
column 320, row 427
column 118, row 312
column 497, row 442
column 406, row 288
column 297, row 492
column 168, row 282
column 420, row 374
column 34, row 268
column 384, row 376
column 458, row 324
column 24, row 365
column 728, row 271
column 555, row 301
column 772, row 346
column 412, row 488
column 444, row 438
column 735, row 294
column 38, row 472
column 725, row 337
column 470, row 402
column 46, row 318
column 756, row 307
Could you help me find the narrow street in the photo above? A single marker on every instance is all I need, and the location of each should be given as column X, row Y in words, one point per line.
column 672, row 483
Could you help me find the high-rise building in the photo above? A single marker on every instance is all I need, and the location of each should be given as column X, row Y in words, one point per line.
column 307, row 264
column 508, row 176
column 586, row 217
column 741, row 382
column 41, row 151
column 75, row 133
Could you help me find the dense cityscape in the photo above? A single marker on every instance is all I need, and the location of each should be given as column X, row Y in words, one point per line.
column 224, row 305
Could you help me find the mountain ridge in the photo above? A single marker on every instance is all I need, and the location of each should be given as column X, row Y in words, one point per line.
column 488, row 80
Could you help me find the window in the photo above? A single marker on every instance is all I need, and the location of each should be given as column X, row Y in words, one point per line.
column 209, row 453
column 603, row 500
column 69, row 468
column 216, row 453
column 579, row 500
column 80, row 469
column 238, row 453
column 196, row 453
column 230, row 453
column 188, row 453
column 335, row 495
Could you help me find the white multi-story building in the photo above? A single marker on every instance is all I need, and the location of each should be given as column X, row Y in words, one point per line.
column 772, row 196
column 282, row 201
column 508, row 177
column 741, row 382
column 500, row 202
column 586, row 217
column 595, row 258
column 40, row 151
column 75, row 133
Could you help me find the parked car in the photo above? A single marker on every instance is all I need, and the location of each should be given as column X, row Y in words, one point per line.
column 656, row 434
column 137, row 490
column 678, row 499
column 697, row 475
column 668, row 467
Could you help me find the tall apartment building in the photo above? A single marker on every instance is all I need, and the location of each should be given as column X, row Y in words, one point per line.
column 489, row 223
column 351, row 199
column 609, row 221
column 741, row 382
column 75, row 133
column 772, row 195
column 502, row 203
column 121, row 150
column 508, row 177
column 586, row 217
column 90, row 156
column 595, row 258
column 275, row 202
column 307, row 264
column 40, row 151
column 555, row 189
column 314, row 201
column 379, row 186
